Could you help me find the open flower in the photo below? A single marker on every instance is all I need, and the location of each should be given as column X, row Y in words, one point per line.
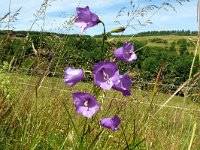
column 126, row 53
column 123, row 85
column 72, row 76
column 106, row 74
column 85, row 104
column 85, row 18
column 111, row 123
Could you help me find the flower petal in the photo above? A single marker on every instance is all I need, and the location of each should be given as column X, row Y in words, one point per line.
column 85, row 104
column 106, row 74
column 85, row 18
column 110, row 123
column 73, row 76
column 125, row 53
column 123, row 85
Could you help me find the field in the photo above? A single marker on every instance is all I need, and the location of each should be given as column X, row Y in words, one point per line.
column 73, row 76
column 168, row 38
column 37, row 110
column 45, row 118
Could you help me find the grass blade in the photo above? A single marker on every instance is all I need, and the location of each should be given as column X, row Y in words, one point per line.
column 74, row 127
column 192, row 138
column 95, row 140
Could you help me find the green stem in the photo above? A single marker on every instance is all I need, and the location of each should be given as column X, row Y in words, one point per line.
column 123, row 131
column 103, row 40
column 82, row 135
column 193, row 134
column 193, row 61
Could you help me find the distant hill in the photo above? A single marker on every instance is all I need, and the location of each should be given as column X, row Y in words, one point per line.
column 158, row 33
column 24, row 33
column 147, row 33
column 172, row 32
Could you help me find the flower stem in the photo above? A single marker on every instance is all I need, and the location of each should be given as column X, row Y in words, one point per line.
column 103, row 40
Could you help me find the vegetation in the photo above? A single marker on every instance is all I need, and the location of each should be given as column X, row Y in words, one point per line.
column 37, row 108
column 84, row 51
column 159, row 33
column 38, row 118
column 173, row 32
column 31, row 121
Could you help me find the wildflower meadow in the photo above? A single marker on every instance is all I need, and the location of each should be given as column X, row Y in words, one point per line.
column 60, row 90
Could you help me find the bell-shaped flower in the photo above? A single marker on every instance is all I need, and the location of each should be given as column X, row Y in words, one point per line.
column 72, row 76
column 85, row 18
column 106, row 74
column 123, row 84
column 111, row 123
column 85, row 104
column 126, row 53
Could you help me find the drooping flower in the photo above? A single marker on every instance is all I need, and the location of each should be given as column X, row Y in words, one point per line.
column 106, row 74
column 85, row 18
column 85, row 104
column 126, row 53
column 72, row 76
column 123, row 84
column 111, row 123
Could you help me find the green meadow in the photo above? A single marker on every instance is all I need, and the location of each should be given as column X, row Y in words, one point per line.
column 39, row 114
column 37, row 110
column 93, row 75
column 168, row 40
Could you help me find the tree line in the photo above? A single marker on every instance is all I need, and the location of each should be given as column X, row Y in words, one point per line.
column 146, row 33
column 172, row 32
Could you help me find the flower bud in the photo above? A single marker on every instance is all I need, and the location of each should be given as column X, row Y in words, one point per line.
column 118, row 30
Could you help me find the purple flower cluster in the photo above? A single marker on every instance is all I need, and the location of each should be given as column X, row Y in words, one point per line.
column 106, row 74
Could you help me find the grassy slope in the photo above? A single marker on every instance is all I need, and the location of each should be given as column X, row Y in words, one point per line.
column 169, row 38
column 44, row 123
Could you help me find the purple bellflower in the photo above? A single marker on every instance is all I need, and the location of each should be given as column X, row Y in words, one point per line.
column 111, row 123
column 106, row 74
column 85, row 18
column 126, row 53
column 85, row 104
column 72, row 76
column 123, row 85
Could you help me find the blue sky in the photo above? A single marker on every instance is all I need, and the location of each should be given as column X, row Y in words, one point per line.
column 59, row 12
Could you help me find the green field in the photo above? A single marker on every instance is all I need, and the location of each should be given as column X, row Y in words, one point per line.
column 75, row 77
column 37, row 110
column 39, row 120
column 168, row 38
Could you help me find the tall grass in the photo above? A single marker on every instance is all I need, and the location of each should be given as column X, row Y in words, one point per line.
column 37, row 112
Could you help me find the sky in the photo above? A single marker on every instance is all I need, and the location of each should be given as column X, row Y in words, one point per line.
column 59, row 13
